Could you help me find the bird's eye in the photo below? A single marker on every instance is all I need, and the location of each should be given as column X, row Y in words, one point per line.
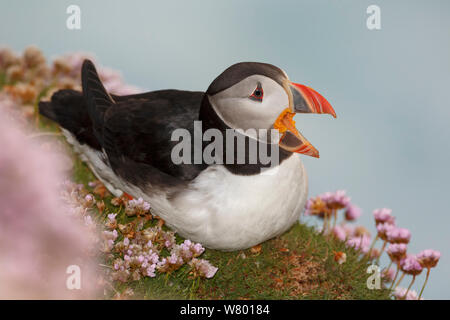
column 258, row 94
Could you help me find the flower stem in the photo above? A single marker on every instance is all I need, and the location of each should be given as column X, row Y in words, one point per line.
column 395, row 277
column 425, row 283
column 399, row 280
column 372, row 245
column 334, row 217
column 410, row 285
column 381, row 252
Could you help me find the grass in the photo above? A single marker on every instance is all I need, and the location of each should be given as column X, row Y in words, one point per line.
column 297, row 265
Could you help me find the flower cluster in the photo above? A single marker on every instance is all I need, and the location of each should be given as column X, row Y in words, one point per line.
column 326, row 207
column 39, row 232
column 26, row 78
column 404, row 294
column 408, row 264
column 325, row 203
column 137, row 251
column 396, row 239
column 137, row 207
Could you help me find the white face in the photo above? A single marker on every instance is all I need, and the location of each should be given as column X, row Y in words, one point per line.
column 240, row 110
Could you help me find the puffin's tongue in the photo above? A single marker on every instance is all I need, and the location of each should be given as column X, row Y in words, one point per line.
column 291, row 139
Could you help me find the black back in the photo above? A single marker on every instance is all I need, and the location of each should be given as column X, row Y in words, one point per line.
column 135, row 130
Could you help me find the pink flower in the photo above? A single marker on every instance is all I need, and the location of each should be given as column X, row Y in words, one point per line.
column 137, row 207
column 400, row 294
column 361, row 243
column 398, row 235
column 383, row 215
column 383, row 229
column 352, row 212
column 39, row 239
column 339, row 233
column 389, row 274
column 202, row 268
column 336, row 200
column 397, row 251
column 428, row 258
column 150, row 271
column 410, row 265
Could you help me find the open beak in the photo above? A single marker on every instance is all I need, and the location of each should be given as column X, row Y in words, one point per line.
column 302, row 99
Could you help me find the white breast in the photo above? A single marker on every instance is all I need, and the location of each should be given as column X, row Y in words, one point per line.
column 229, row 212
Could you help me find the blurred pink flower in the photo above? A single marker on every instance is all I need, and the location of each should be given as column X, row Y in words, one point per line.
column 339, row 233
column 38, row 238
column 410, row 265
column 400, row 294
column 352, row 212
column 383, row 215
column 429, row 258
column 397, row 251
column 383, row 229
column 336, row 200
column 389, row 274
column 202, row 268
column 361, row 243
column 398, row 235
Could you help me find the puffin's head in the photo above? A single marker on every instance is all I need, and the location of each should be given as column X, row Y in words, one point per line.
column 252, row 95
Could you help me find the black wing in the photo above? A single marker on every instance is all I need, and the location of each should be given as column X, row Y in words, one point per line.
column 137, row 131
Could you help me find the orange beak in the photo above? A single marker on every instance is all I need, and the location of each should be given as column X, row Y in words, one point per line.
column 302, row 99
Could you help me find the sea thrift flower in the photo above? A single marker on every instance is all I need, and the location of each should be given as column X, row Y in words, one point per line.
column 170, row 264
column 404, row 294
column 111, row 223
column 89, row 200
column 39, row 239
column 383, row 215
column 398, row 235
column 410, row 265
column 428, row 258
column 349, row 230
column 389, row 274
column 337, row 200
column 137, row 207
column 169, row 239
column 339, row 233
column 383, row 229
column 33, row 57
column 397, row 251
column 361, row 243
column 315, row 207
column 188, row 250
column 361, row 231
column 202, row 268
column 352, row 212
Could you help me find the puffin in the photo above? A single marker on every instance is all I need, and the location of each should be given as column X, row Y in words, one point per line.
column 221, row 167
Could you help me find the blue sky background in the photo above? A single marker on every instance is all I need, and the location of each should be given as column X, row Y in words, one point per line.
column 389, row 146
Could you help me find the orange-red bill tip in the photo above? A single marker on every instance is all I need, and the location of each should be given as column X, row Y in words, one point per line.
column 316, row 102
